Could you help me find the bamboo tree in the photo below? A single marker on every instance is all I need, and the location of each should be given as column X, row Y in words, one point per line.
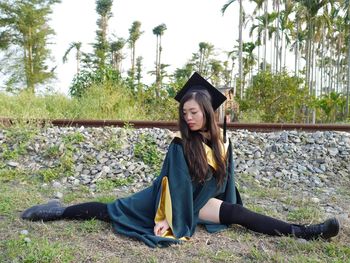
column 202, row 58
column 24, row 34
column 134, row 35
column 158, row 31
column 117, row 54
column 101, row 47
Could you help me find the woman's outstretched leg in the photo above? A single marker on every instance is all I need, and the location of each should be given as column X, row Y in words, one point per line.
column 53, row 210
column 237, row 214
column 86, row 211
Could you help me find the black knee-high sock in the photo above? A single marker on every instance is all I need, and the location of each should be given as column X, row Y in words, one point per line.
column 86, row 211
column 237, row 214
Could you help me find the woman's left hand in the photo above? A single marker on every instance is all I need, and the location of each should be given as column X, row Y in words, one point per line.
column 161, row 227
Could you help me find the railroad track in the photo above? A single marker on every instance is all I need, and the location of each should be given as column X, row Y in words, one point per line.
column 172, row 125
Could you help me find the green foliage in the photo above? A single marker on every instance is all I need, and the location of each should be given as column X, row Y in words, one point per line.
column 332, row 106
column 146, row 149
column 279, row 97
column 24, row 27
column 86, row 79
column 101, row 101
column 154, row 106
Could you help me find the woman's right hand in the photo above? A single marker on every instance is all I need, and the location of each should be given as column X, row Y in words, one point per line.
column 160, row 228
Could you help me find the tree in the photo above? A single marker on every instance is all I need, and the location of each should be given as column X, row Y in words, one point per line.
column 77, row 46
column 158, row 31
column 101, row 47
column 139, row 71
column 24, row 34
column 201, row 59
column 331, row 104
column 263, row 24
column 116, row 53
column 347, row 21
column 240, row 40
column 279, row 97
column 134, row 34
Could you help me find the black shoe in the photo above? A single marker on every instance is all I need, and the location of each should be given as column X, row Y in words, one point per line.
column 53, row 210
column 325, row 230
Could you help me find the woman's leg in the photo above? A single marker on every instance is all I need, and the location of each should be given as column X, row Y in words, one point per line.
column 55, row 211
column 237, row 214
column 86, row 211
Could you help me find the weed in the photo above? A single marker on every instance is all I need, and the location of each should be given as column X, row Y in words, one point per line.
column 108, row 184
column 113, row 145
column 13, row 175
column 52, row 152
column 305, row 213
column 223, row 256
column 128, row 126
column 146, row 149
column 73, row 138
column 49, row 174
column 91, row 226
column 66, row 165
column 105, row 199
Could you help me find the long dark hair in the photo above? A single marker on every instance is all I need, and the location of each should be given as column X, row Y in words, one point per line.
column 192, row 140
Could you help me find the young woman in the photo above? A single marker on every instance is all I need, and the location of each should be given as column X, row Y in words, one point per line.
column 196, row 185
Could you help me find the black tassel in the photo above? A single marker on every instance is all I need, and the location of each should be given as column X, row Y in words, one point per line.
column 224, row 135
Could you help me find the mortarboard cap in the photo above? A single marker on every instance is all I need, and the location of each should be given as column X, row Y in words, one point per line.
column 197, row 82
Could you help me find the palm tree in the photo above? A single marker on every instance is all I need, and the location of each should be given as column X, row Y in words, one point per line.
column 276, row 6
column 286, row 26
column 158, row 31
column 259, row 6
column 77, row 46
column 264, row 25
column 311, row 9
column 249, row 60
column 240, row 39
column 346, row 7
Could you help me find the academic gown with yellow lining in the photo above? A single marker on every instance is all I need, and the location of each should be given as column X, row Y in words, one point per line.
column 174, row 196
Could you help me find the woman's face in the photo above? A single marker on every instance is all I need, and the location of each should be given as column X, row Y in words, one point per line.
column 193, row 115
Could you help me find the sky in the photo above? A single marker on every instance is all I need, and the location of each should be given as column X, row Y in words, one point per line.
column 188, row 22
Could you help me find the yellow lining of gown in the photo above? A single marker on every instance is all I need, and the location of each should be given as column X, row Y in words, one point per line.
column 164, row 210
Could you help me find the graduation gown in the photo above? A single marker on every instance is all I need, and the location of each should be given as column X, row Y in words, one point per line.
column 174, row 196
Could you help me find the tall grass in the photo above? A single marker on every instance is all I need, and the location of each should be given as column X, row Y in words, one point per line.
column 99, row 102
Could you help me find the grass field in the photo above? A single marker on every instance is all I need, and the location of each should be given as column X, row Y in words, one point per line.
column 94, row 241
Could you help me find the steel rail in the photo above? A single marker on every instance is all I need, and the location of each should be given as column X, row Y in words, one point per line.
column 172, row 125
